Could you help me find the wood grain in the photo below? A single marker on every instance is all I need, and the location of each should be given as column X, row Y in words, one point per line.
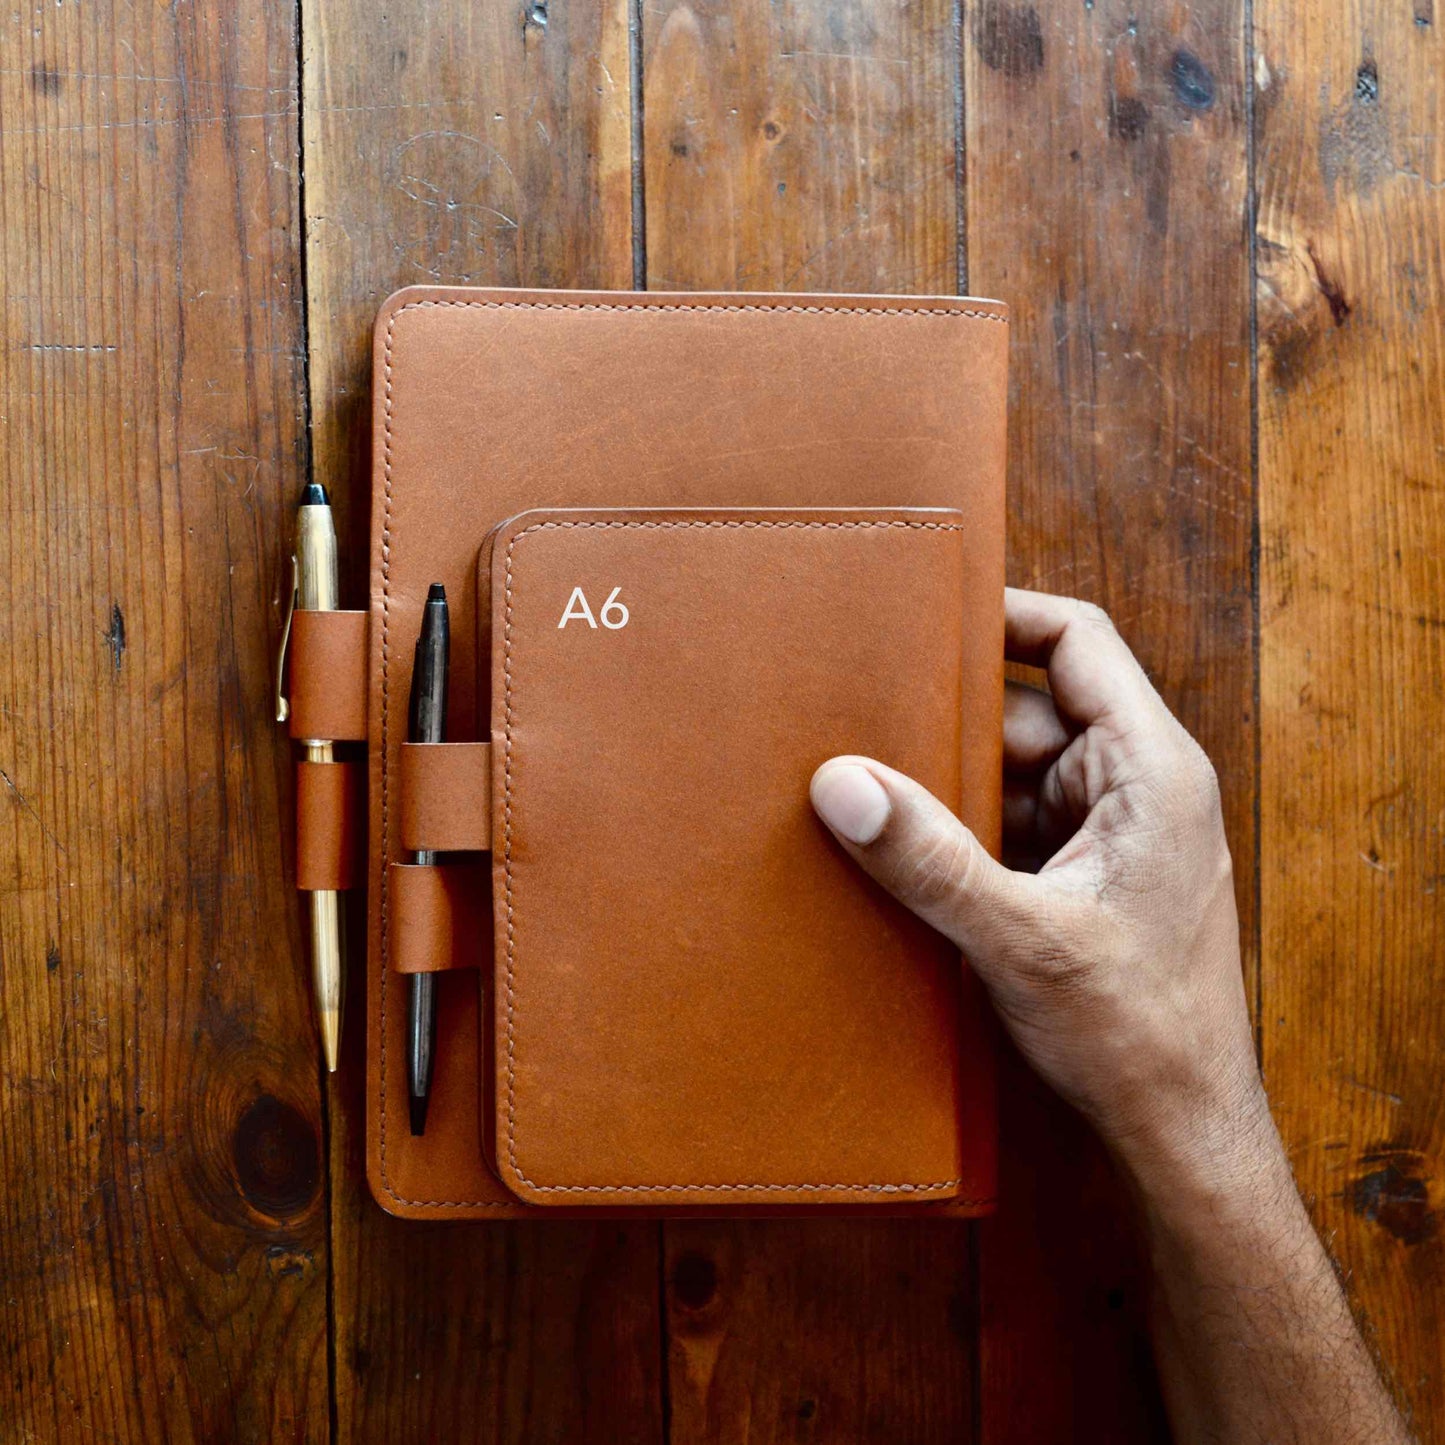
column 800, row 146
column 820, row 1330
column 1106, row 200
column 163, row 1257
column 451, row 143
column 808, row 147
column 467, row 144
column 170, row 1211
column 1351, row 177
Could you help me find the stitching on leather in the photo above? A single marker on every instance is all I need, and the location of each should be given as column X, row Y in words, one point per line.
column 386, row 793
column 861, row 310
column 674, row 525
column 972, row 312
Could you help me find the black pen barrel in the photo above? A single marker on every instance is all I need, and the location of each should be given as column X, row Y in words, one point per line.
column 428, row 712
column 421, row 1047
column 426, row 720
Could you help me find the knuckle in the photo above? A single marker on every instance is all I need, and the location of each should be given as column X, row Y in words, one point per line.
column 1202, row 782
column 1094, row 617
column 1209, row 789
column 932, row 871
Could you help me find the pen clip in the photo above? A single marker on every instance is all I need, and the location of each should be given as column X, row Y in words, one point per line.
column 283, row 706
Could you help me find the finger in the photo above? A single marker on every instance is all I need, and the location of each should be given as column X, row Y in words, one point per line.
column 1020, row 825
column 911, row 844
column 1020, row 812
column 1063, row 800
column 1092, row 674
column 1033, row 732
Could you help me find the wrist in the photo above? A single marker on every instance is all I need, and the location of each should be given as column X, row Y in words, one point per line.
column 1224, row 1148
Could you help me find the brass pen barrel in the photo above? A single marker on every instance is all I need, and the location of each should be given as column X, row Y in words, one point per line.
column 318, row 589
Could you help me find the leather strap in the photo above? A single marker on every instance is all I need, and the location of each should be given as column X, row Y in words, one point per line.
column 329, row 825
column 439, row 916
column 446, row 797
column 328, row 675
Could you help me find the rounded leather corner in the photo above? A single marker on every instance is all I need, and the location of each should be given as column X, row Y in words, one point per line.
column 404, row 295
column 395, row 304
column 516, row 522
column 1000, row 309
column 387, row 1199
column 523, row 1189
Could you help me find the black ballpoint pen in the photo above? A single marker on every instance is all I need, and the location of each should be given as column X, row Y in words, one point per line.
column 426, row 723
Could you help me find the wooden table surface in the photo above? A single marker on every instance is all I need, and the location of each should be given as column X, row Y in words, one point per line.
column 1219, row 223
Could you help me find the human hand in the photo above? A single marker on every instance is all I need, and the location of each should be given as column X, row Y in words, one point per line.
column 1116, row 966
column 1116, row 969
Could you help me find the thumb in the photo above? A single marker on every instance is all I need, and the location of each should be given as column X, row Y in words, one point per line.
column 910, row 843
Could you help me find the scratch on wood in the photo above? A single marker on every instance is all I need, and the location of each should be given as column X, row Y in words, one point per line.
column 1372, row 1089
column 851, row 57
column 52, row 74
column 23, row 802
column 151, row 123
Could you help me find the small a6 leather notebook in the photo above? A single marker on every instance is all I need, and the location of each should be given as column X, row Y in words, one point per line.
column 694, row 545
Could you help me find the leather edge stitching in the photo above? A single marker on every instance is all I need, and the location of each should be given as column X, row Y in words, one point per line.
column 386, row 1183
column 972, row 312
column 387, row 369
column 673, row 525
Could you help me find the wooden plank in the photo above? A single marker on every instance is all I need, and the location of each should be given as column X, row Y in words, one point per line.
column 809, row 1330
column 808, row 147
column 801, row 146
column 1107, row 201
column 451, row 143
column 1351, row 181
column 469, row 144
column 163, row 1257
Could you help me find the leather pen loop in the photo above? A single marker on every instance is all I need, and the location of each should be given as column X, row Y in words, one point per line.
column 283, row 705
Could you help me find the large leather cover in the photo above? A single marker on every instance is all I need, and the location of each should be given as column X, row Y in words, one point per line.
column 489, row 403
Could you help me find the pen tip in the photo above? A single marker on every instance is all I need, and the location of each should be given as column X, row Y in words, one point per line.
column 313, row 494
column 330, row 1037
column 436, row 593
column 418, row 1104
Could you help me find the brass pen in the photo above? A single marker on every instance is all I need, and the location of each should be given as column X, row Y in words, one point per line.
column 316, row 588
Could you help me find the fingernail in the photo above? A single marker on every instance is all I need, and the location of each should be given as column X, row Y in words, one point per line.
column 851, row 801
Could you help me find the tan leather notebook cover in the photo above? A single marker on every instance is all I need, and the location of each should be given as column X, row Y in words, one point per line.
column 695, row 1002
